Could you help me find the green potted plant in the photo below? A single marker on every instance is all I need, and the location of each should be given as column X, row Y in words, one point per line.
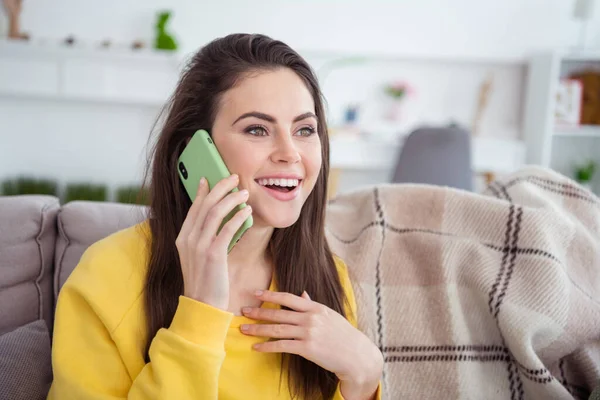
column 396, row 93
column 134, row 194
column 585, row 173
column 164, row 40
column 29, row 185
column 84, row 191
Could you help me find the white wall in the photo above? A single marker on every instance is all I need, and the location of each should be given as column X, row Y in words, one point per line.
column 443, row 49
column 74, row 142
column 445, row 92
column 430, row 28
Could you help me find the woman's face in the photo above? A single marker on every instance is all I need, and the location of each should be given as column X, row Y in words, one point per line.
column 266, row 131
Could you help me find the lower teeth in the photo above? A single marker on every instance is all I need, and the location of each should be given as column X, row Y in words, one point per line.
column 280, row 188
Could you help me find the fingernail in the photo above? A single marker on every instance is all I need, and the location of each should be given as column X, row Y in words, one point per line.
column 249, row 209
column 244, row 192
column 246, row 310
column 202, row 181
column 234, row 177
column 258, row 293
column 244, row 327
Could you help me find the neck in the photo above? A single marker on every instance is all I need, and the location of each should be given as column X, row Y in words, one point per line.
column 252, row 249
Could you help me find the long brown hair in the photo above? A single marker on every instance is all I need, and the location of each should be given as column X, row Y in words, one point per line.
column 301, row 256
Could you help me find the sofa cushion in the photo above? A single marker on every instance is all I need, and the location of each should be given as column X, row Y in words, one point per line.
column 27, row 239
column 82, row 223
column 25, row 362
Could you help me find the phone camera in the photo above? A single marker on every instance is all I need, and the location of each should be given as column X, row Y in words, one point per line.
column 209, row 140
column 183, row 171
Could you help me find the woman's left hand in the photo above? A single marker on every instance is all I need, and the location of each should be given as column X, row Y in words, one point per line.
column 321, row 335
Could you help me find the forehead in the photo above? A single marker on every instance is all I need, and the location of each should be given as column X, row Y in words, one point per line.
column 280, row 93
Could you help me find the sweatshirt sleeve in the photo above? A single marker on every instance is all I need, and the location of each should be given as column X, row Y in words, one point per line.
column 185, row 360
column 88, row 363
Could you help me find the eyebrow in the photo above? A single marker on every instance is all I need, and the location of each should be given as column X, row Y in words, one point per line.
column 270, row 118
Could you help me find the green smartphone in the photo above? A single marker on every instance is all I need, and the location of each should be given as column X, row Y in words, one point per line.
column 200, row 158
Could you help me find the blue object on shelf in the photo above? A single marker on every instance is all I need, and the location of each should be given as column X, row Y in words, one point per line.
column 351, row 114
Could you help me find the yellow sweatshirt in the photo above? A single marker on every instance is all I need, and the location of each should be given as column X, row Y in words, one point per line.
column 99, row 337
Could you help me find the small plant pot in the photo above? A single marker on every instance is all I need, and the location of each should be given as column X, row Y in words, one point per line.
column 394, row 111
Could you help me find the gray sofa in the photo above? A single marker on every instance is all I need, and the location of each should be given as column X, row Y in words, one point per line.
column 422, row 262
column 40, row 245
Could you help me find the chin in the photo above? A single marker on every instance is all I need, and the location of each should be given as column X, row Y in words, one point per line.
column 279, row 221
column 284, row 224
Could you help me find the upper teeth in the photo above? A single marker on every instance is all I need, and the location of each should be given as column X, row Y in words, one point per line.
column 279, row 182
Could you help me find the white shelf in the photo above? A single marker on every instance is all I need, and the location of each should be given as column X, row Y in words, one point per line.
column 488, row 154
column 394, row 56
column 115, row 76
column 542, row 135
column 55, row 51
column 66, row 98
column 585, row 57
column 578, row 132
column 553, row 146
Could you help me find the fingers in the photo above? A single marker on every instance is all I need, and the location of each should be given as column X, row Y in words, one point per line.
column 276, row 331
column 221, row 189
column 215, row 216
column 214, row 196
column 286, row 299
column 273, row 315
column 192, row 214
column 231, row 227
column 280, row 346
column 209, row 204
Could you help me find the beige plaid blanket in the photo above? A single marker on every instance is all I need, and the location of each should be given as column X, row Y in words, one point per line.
column 492, row 296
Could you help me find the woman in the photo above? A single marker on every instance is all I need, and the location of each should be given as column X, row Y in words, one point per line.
column 161, row 311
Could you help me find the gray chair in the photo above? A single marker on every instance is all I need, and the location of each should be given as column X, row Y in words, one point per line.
column 436, row 156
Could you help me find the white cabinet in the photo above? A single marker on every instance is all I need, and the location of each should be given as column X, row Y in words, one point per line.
column 500, row 156
column 550, row 145
column 142, row 77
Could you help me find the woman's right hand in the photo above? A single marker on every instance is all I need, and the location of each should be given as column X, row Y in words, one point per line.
column 203, row 253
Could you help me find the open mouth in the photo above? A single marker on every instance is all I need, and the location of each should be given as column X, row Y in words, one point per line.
column 280, row 185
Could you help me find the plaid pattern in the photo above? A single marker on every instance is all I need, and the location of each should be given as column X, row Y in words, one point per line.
column 492, row 296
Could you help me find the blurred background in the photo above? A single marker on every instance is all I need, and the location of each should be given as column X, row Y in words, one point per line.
column 431, row 91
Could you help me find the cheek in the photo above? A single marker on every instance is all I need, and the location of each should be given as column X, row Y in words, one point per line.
column 239, row 159
column 313, row 161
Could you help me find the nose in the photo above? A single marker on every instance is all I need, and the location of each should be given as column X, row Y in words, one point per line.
column 285, row 150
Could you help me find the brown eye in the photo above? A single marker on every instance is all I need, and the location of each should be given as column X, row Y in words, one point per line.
column 256, row 130
column 306, row 131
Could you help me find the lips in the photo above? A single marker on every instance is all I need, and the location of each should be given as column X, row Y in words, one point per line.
column 283, row 185
column 280, row 194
